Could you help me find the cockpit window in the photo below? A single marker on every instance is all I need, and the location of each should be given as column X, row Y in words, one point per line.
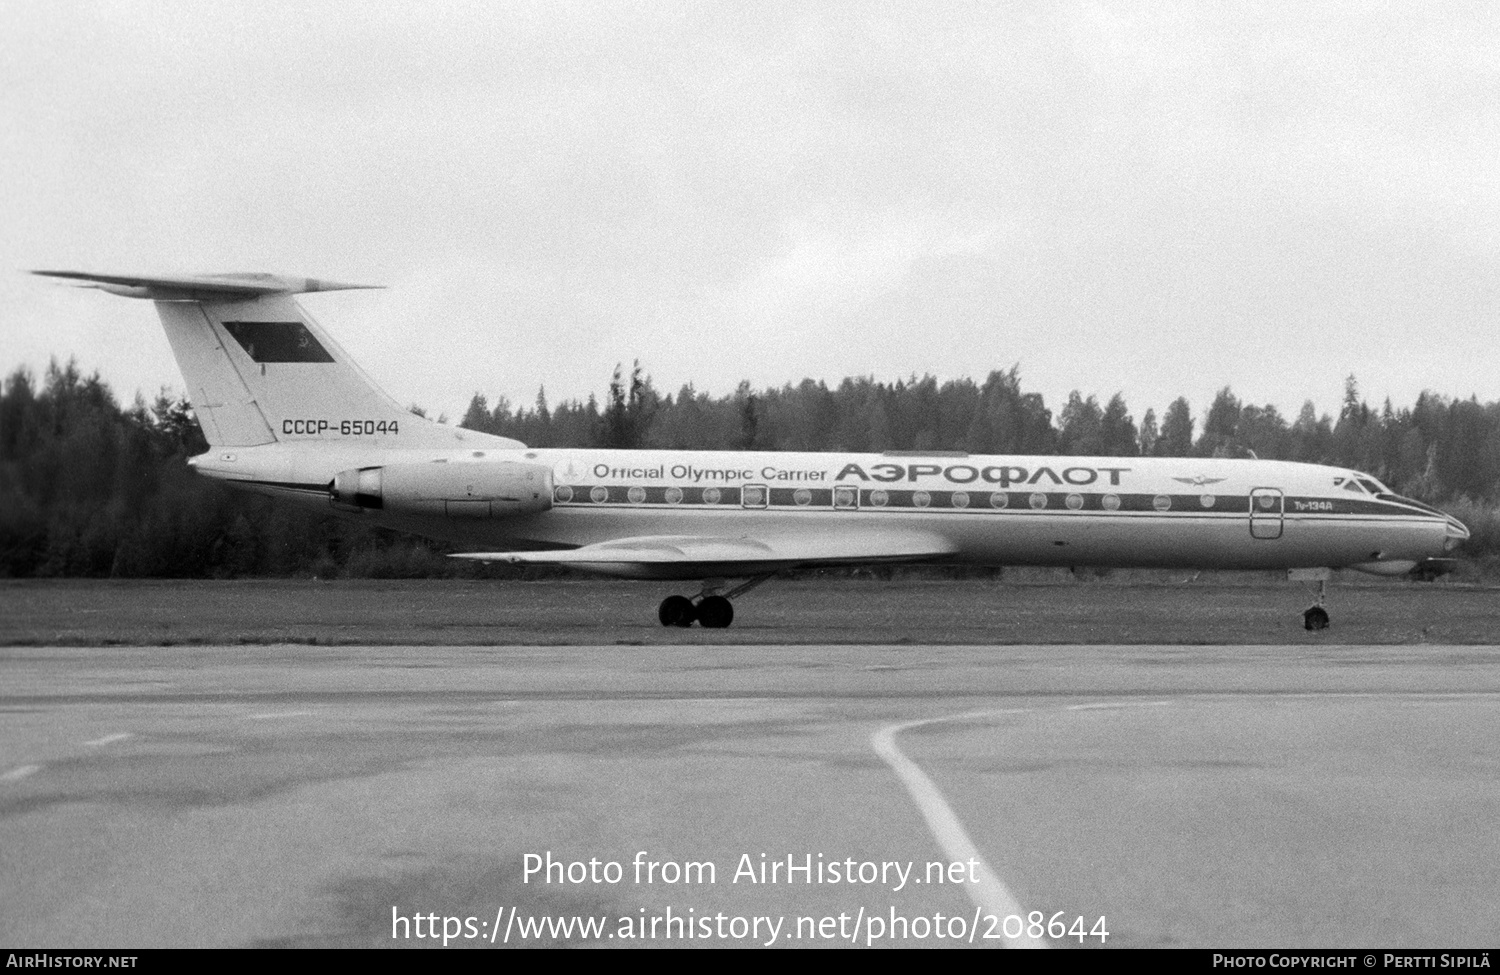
column 1361, row 484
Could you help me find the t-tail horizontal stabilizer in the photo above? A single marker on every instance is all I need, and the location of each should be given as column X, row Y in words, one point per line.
column 202, row 287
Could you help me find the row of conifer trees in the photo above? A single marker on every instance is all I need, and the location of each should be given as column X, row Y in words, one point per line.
column 91, row 488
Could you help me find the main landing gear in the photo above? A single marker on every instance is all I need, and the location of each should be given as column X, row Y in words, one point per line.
column 711, row 608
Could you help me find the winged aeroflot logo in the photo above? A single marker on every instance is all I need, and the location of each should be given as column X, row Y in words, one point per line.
column 1199, row 480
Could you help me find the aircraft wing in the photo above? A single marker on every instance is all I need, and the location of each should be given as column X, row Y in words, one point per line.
column 702, row 556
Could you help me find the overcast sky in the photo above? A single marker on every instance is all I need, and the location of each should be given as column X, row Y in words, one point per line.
column 1157, row 199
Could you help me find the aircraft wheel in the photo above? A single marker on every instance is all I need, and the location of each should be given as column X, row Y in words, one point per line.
column 676, row 611
column 715, row 612
column 1315, row 618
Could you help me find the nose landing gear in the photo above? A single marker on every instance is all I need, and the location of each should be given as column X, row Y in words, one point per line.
column 1315, row 617
column 711, row 608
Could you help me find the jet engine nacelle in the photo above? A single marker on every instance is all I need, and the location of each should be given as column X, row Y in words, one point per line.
column 487, row 490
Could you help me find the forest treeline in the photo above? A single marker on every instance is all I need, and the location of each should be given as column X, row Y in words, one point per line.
column 91, row 488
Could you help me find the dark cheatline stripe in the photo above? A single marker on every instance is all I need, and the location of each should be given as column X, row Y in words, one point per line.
column 801, row 497
column 586, row 495
column 978, row 500
column 902, row 498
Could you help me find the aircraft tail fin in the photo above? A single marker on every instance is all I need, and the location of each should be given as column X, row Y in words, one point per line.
column 260, row 370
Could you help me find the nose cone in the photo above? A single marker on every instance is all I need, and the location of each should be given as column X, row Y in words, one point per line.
column 1457, row 534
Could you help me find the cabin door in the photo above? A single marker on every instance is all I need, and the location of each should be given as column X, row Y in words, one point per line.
column 1266, row 506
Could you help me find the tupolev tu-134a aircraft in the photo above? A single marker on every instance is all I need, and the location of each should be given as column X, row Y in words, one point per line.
column 286, row 412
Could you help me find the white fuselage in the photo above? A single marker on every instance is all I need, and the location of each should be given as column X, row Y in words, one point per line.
column 995, row 510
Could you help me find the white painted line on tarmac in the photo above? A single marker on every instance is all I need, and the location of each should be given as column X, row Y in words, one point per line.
column 17, row 774
column 273, row 715
column 1115, row 706
column 987, row 892
column 109, row 739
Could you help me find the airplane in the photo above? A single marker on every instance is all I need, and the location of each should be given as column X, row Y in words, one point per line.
column 288, row 413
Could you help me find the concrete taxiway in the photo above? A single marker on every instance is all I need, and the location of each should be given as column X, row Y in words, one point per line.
column 374, row 796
